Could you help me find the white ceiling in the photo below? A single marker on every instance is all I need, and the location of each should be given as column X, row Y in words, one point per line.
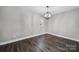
column 53, row 9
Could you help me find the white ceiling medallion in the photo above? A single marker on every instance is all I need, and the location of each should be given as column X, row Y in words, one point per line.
column 48, row 14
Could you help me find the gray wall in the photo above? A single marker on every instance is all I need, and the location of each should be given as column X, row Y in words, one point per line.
column 17, row 22
column 65, row 24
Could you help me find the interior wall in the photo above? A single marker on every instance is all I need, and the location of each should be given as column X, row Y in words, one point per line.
column 65, row 24
column 17, row 22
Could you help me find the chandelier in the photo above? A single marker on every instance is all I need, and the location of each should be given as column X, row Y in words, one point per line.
column 48, row 14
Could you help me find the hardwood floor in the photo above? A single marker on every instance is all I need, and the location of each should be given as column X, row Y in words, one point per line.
column 42, row 43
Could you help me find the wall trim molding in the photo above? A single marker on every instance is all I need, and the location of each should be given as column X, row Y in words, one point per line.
column 18, row 39
column 11, row 41
column 77, row 40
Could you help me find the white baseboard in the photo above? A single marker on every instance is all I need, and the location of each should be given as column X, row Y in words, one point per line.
column 11, row 41
column 65, row 37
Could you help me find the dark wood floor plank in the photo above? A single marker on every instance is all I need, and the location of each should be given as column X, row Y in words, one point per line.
column 42, row 43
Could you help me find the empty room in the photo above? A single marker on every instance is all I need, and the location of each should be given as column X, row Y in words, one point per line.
column 39, row 28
